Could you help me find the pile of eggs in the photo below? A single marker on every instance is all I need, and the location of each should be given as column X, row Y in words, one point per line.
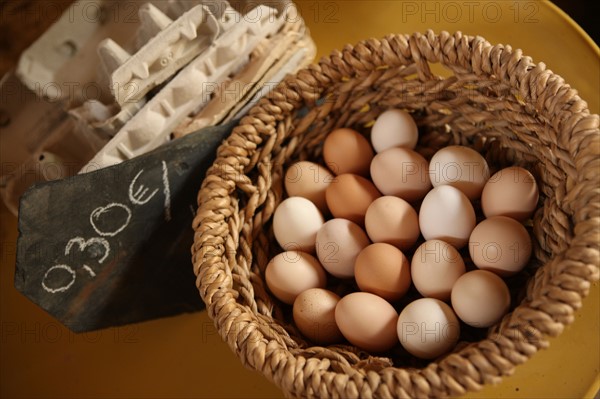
column 361, row 217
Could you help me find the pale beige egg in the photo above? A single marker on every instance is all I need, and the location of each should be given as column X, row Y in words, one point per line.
column 292, row 272
column 394, row 128
column 460, row 167
column 338, row 243
column 435, row 267
column 401, row 172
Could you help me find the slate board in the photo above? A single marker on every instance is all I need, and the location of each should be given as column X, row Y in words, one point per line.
column 112, row 247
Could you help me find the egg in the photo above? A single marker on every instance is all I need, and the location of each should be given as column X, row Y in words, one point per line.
column 367, row 321
column 394, row 128
column 460, row 167
column 295, row 224
column 383, row 270
column 435, row 267
column 338, row 243
column 510, row 192
column 292, row 272
column 314, row 315
column 392, row 220
column 428, row 328
column 447, row 214
column 309, row 180
column 501, row 245
column 480, row 298
column 347, row 151
column 401, row 172
column 349, row 196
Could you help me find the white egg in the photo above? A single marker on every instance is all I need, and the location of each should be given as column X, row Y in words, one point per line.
column 447, row 214
column 428, row 328
column 295, row 224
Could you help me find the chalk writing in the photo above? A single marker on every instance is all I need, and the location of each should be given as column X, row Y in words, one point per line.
column 62, row 288
column 137, row 198
column 138, row 195
column 83, row 244
column 166, row 191
column 98, row 212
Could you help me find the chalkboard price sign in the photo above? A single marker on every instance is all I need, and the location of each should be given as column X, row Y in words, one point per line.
column 112, row 246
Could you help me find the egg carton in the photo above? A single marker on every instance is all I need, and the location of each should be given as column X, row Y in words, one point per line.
column 153, row 35
column 62, row 64
column 179, row 7
column 52, row 127
column 242, row 7
column 66, row 128
column 156, row 35
column 274, row 58
column 97, row 119
column 190, row 90
column 40, row 141
column 170, row 46
column 156, row 32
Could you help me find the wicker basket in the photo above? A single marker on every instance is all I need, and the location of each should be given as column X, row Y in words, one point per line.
column 495, row 100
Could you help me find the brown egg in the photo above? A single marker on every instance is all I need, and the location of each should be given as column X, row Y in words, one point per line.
column 314, row 315
column 383, row 270
column 349, row 196
column 501, row 245
column 510, row 192
column 367, row 321
column 308, row 180
column 392, row 220
column 401, row 172
column 292, row 272
column 435, row 267
column 347, row 151
column 480, row 298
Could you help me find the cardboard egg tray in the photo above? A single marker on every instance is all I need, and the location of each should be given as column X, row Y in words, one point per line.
column 99, row 88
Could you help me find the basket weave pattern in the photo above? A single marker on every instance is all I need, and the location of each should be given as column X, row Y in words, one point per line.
column 495, row 100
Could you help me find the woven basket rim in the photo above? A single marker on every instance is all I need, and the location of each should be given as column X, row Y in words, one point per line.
column 559, row 285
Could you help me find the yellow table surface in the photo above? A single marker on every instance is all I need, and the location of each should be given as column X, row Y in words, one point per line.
column 183, row 357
